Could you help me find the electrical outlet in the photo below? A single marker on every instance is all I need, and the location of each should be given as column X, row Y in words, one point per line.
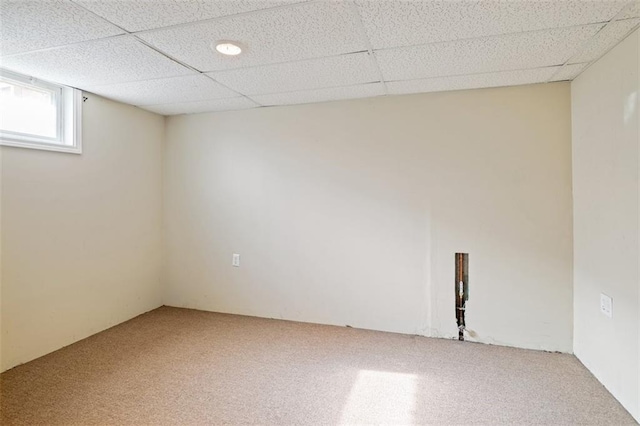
column 235, row 261
column 606, row 305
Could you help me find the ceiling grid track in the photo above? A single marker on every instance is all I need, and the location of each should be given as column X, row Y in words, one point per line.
column 370, row 51
column 224, row 17
column 477, row 73
column 509, row 34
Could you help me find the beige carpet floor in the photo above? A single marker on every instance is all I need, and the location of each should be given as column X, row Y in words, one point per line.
column 179, row 366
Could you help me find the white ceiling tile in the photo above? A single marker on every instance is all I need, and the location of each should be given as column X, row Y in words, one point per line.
column 164, row 90
column 302, row 31
column 31, row 25
column 97, row 62
column 301, row 51
column 568, row 72
column 321, row 95
column 215, row 105
column 334, row 71
column 138, row 15
column 402, row 23
column 602, row 42
column 497, row 79
column 631, row 11
column 500, row 53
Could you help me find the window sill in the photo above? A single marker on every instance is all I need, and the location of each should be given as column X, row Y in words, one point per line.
column 41, row 146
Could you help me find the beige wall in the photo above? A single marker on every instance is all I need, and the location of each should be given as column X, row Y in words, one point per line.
column 351, row 212
column 606, row 213
column 81, row 234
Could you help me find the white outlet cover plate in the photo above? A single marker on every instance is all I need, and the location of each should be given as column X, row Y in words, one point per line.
column 606, row 305
column 235, row 261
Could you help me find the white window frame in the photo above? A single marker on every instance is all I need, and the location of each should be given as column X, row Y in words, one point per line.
column 69, row 119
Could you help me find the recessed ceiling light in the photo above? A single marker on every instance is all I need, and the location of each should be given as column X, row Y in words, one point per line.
column 229, row 48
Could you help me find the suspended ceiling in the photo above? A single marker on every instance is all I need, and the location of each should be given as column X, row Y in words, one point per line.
column 158, row 54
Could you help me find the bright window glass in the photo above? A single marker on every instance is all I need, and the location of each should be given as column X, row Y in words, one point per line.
column 28, row 110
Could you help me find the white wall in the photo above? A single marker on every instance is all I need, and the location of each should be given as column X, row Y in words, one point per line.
column 1, row 364
column 606, row 214
column 81, row 234
column 351, row 212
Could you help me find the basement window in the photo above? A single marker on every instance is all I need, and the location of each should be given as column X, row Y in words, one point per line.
column 39, row 115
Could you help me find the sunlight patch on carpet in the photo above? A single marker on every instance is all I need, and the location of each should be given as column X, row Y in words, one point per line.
column 381, row 397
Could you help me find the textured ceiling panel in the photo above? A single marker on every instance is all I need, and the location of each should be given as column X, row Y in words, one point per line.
column 569, row 72
column 321, row 95
column 631, row 11
column 608, row 37
column 501, row 53
column 137, row 15
column 165, row 90
column 105, row 61
column 299, row 51
column 498, row 79
column 202, row 106
column 342, row 70
column 298, row 32
column 33, row 25
column 403, row 23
